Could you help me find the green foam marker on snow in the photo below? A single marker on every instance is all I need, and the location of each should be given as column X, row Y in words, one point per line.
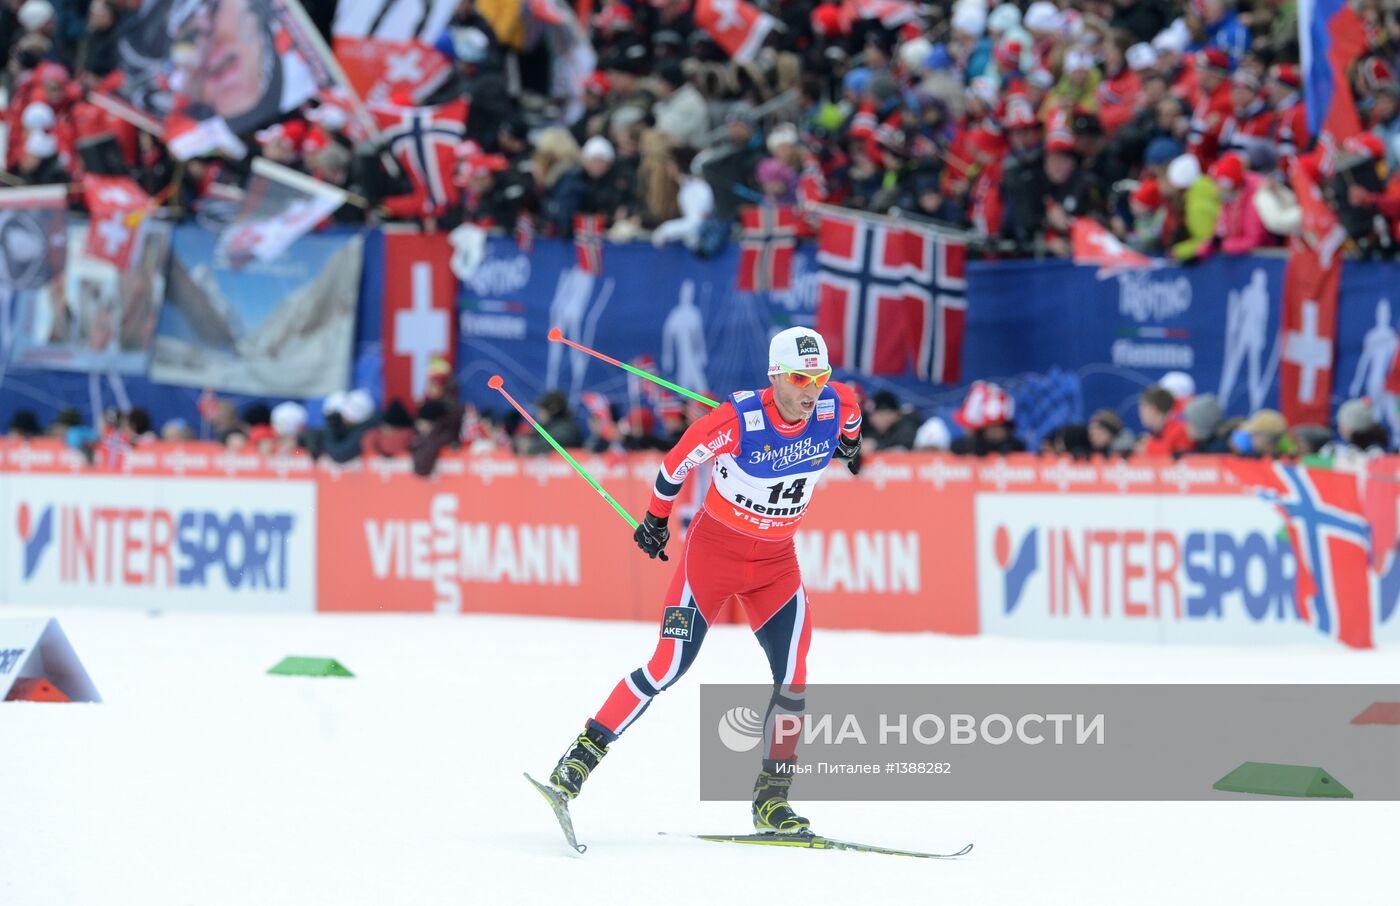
column 310, row 666
column 1264, row 779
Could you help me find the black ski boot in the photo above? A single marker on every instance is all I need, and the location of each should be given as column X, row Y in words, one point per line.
column 573, row 769
column 771, row 812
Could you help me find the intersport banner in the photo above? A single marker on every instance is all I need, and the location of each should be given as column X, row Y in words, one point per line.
column 1211, row 549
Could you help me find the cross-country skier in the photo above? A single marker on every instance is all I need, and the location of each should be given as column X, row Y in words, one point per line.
column 769, row 448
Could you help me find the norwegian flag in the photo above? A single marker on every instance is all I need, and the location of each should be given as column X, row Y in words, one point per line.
column 766, row 247
column 1308, row 327
column 525, row 232
column 116, row 208
column 1331, row 542
column 588, row 242
column 378, row 69
column 424, row 139
column 890, row 296
column 739, row 28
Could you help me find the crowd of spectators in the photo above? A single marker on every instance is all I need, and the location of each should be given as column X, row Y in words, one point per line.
column 1176, row 421
column 1172, row 123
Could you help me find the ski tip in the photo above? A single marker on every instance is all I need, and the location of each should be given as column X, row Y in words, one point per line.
column 555, row 335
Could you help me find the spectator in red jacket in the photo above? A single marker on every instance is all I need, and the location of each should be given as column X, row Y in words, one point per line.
column 1165, row 435
column 1212, row 105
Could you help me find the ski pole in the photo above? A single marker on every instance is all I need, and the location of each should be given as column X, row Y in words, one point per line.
column 498, row 384
column 557, row 336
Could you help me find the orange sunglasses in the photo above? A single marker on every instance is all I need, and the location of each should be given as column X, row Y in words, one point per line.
column 802, row 378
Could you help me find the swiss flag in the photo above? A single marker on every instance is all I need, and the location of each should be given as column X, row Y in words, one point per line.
column 1308, row 327
column 420, row 293
column 1092, row 243
column 378, row 69
column 891, row 296
column 117, row 208
column 739, row 28
column 766, row 246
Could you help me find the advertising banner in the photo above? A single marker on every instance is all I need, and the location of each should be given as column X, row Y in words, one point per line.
column 191, row 544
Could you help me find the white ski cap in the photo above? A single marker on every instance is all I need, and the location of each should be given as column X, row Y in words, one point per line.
column 798, row 349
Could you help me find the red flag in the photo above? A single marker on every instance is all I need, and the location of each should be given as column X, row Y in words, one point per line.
column 378, row 69
column 1309, row 324
column 1092, row 243
column 419, row 300
column 739, row 28
column 588, row 242
column 891, row 295
column 424, row 139
column 766, row 247
column 116, row 207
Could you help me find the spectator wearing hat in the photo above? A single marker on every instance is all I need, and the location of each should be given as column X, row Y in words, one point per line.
column 988, row 415
column 1263, row 435
column 1148, row 217
column 1164, row 434
column 1203, row 417
column 555, row 416
column 1214, row 104
column 1079, row 84
column 1248, row 130
column 1129, row 141
column 1361, row 434
column 1197, row 198
column 39, row 164
column 680, row 110
column 924, row 199
column 608, row 188
column 490, row 198
column 1107, row 436
column 1116, row 98
column 889, row 426
column 1042, row 200
column 786, row 145
column 1370, row 211
column 777, row 182
column 1284, row 90
column 1239, row 230
column 729, row 166
column 392, row 437
column 288, row 420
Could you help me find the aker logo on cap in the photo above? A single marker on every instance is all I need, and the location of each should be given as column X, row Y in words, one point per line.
column 807, row 345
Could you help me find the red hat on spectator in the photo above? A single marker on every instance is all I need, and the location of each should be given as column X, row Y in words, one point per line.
column 670, row 407
column 1019, row 114
column 291, row 133
column 1228, row 172
column 1365, row 144
column 259, row 433
column 1148, row 194
column 316, row 139
column 1060, row 142
column 597, row 83
column 1214, row 58
column 1008, row 54
column 1286, row 74
column 827, row 21
column 51, row 73
column 986, row 404
column 1373, row 73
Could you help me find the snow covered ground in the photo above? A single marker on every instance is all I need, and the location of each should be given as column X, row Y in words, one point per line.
column 202, row 780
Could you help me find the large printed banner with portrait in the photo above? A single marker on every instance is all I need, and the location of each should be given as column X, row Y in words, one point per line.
column 281, row 328
column 203, row 74
column 90, row 315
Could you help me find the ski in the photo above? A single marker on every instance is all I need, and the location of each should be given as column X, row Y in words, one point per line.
column 560, row 803
column 813, row 841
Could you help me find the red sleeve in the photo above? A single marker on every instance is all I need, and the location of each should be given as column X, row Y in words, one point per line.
column 850, row 409
column 716, row 433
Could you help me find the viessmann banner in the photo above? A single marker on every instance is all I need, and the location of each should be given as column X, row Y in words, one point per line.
column 1198, row 551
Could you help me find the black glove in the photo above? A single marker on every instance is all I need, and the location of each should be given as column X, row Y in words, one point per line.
column 651, row 536
column 849, row 450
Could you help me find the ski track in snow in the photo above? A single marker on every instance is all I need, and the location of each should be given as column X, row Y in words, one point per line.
column 202, row 780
